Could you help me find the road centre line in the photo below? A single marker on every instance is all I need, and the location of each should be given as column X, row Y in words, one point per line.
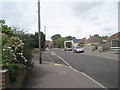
column 80, row 72
column 53, row 53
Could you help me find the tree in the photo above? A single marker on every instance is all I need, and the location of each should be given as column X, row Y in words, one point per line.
column 55, row 37
column 36, row 40
column 100, row 37
column 97, row 35
column 70, row 37
column 5, row 29
column 60, row 42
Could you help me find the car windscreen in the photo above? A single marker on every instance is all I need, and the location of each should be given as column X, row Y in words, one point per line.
column 77, row 47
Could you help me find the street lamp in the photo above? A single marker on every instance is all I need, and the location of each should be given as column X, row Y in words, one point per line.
column 39, row 34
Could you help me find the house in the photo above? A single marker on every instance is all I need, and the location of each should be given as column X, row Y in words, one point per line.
column 114, row 40
column 76, row 41
column 49, row 43
column 92, row 40
column 82, row 41
column 91, row 43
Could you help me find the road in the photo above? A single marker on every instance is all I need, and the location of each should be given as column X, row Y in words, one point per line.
column 102, row 70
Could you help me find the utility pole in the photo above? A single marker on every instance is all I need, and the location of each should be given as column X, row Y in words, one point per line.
column 39, row 33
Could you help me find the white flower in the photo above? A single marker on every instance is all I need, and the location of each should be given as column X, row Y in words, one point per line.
column 25, row 60
column 3, row 49
column 14, row 58
column 15, row 43
column 19, row 45
column 11, row 50
column 20, row 41
column 22, row 44
column 9, row 47
column 16, row 48
column 14, row 55
column 22, row 56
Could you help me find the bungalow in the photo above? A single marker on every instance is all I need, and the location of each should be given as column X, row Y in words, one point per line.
column 92, row 40
column 92, row 43
column 114, row 40
column 82, row 42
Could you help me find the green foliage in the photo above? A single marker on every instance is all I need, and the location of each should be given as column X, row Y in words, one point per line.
column 70, row 37
column 5, row 28
column 36, row 40
column 100, row 37
column 14, row 70
column 55, row 37
column 5, row 38
column 17, row 49
column 60, row 42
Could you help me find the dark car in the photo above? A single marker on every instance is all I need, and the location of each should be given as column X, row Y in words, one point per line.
column 78, row 49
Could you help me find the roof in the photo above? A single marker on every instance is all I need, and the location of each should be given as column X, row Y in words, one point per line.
column 114, row 36
column 92, row 39
column 82, row 40
column 76, row 40
column 49, row 42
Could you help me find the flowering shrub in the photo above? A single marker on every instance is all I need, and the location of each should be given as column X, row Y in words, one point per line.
column 13, row 51
column 12, row 56
column 16, row 50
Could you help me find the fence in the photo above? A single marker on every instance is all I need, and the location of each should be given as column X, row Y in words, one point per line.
column 115, row 49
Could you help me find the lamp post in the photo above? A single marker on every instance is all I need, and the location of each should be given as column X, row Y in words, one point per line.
column 39, row 34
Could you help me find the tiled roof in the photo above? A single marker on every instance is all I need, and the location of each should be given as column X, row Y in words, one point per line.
column 76, row 40
column 92, row 39
column 82, row 40
column 114, row 36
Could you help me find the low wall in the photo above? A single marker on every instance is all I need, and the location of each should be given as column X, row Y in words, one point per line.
column 19, row 81
column 4, row 79
column 105, row 46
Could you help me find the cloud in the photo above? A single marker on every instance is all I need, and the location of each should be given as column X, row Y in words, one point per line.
column 109, row 28
column 81, row 8
column 98, row 23
column 79, row 19
column 22, row 15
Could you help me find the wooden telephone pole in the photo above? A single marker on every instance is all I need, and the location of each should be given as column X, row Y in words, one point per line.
column 39, row 33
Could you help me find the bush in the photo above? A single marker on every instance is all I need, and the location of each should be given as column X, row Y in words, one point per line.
column 14, row 70
column 16, row 51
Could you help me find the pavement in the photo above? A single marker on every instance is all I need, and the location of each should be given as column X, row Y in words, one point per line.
column 52, row 75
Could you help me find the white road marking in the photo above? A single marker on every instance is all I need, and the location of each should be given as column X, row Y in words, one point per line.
column 80, row 72
column 63, row 60
column 52, row 53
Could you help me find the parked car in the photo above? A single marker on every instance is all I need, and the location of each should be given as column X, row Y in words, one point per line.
column 78, row 49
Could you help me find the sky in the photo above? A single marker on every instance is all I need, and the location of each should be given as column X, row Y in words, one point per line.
column 78, row 18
